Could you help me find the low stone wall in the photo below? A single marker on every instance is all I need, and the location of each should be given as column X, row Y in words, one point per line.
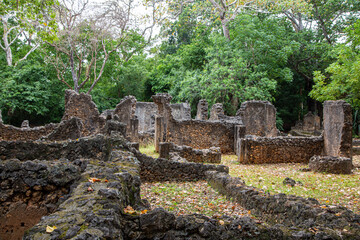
column 30, row 190
column 211, row 155
column 90, row 147
column 329, row 164
column 312, row 220
column 258, row 150
column 202, row 134
column 159, row 169
column 11, row 133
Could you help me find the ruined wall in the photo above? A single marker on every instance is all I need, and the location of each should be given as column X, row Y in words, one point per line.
column 88, row 147
column 202, row 110
column 202, row 134
column 211, row 155
column 30, row 190
column 181, row 111
column 258, row 150
column 146, row 112
column 299, row 214
column 216, row 112
column 259, row 117
column 337, row 129
column 11, row 133
column 160, row 169
column 82, row 107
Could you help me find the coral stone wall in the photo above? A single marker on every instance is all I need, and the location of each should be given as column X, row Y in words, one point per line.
column 11, row 133
column 202, row 134
column 211, row 155
column 258, row 150
column 338, row 129
column 82, row 107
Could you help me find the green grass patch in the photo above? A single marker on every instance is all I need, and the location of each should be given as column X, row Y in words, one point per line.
column 149, row 150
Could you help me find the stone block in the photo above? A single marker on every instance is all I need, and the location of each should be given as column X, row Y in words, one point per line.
column 337, row 129
column 202, row 110
column 329, row 164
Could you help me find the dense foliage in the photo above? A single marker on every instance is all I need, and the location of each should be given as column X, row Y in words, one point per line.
column 275, row 51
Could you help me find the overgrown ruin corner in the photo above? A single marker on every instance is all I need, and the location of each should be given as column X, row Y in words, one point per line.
column 80, row 175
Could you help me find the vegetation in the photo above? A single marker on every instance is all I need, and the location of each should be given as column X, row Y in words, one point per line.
column 328, row 189
column 220, row 50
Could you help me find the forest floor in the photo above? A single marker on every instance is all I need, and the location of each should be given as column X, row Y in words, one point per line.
column 199, row 197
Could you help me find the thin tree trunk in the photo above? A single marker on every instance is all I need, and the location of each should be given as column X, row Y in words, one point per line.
column 225, row 28
column 73, row 73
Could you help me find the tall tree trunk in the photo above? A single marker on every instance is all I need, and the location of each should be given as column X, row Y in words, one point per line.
column 225, row 28
column 6, row 46
column 73, row 73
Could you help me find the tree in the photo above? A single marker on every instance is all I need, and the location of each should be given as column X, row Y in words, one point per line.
column 226, row 11
column 86, row 42
column 25, row 19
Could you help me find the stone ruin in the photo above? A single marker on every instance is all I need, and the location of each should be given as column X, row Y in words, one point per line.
column 311, row 125
column 174, row 152
column 82, row 183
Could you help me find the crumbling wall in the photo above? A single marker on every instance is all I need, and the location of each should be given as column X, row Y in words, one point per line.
column 160, row 169
column 194, row 133
column 211, row 155
column 82, row 107
column 146, row 112
column 216, row 112
column 11, row 133
column 259, row 150
column 301, row 215
column 337, row 129
column 202, row 110
column 259, row 117
column 202, row 134
column 125, row 112
column 181, row 111
column 30, row 190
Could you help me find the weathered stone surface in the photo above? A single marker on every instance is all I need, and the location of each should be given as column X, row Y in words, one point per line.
column 202, row 134
column 146, row 112
column 311, row 122
column 181, row 111
column 89, row 147
column 11, row 133
column 258, row 150
column 216, row 112
column 25, row 124
column 202, row 110
column 68, row 129
column 31, row 190
column 160, row 169
column 259, row 117
column 125, row 110
column 329, row 164
column 82, row 107
column 211, row 155
column 337, row 129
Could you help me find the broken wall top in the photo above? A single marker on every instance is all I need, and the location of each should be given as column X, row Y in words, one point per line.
column 259, row 117
column 82, row 107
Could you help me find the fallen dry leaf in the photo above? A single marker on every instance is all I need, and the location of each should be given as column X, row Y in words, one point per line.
column 50, row 229
column 92, row 180
column 129, row 210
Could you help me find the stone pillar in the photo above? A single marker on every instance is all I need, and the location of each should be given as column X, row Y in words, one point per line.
column 337, row 129
column 162, row 100
column 238, row 134
column 25, row 124
column 202, row 110
column 216, row 111
column 164, row 150
column 134, row 129
column 159, row 132
column 259, row 118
